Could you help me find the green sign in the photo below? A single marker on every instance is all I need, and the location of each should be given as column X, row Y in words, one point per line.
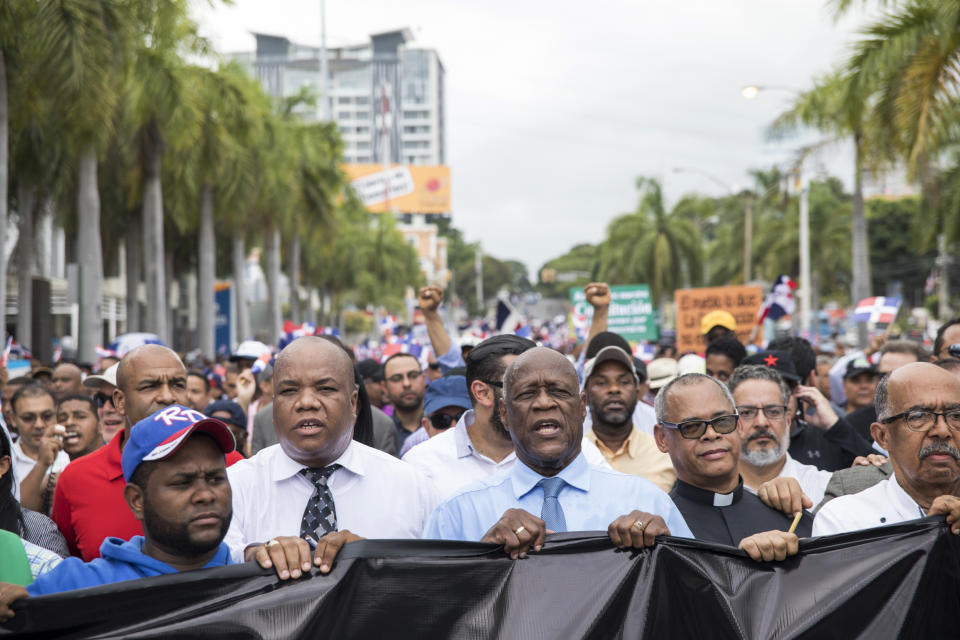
column 631, row 311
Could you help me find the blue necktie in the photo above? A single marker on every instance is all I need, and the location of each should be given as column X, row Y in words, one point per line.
column 552, row 512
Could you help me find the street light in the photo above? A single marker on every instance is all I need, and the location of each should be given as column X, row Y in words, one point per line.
column 804, row 293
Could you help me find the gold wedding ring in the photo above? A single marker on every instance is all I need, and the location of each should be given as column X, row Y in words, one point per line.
column 520, row 530
column 274, row 542
column 638, row 524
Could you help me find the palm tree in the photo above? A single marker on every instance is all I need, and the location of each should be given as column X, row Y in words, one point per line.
column 839, row 105
column 651, row 245
column 81, row 46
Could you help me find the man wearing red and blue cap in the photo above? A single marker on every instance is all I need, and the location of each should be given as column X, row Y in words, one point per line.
column 174, row 464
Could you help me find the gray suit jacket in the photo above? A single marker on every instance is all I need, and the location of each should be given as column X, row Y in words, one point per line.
column 384, row 435
column 263, row 433
column 854, row 480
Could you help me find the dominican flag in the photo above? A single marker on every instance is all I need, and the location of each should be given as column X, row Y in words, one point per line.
column 645, row 351
column 780, row 301
column 878, row 310
column 6, row 352
column 509, row 319
column 402, row 347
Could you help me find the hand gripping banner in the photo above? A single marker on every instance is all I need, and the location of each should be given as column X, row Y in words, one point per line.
column 896, row 581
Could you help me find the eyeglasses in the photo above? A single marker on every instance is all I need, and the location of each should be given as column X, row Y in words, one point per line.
column 772, row 411
column 921, row 420
column 494, row 383
column 444, row 420
column 30, row 418
column 693, row 429
column 411, row 376
column 101, row 399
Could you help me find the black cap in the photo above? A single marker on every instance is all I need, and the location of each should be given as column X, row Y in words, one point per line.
column 606, row 339
column 779, row 360
column 641, row 368
column 857, row 366
column 237, row 417
column 371, row 370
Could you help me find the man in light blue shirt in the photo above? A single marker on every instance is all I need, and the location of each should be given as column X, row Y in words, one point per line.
column 544, row 411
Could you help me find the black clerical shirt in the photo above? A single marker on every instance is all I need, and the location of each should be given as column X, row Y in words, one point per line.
column 728, row 518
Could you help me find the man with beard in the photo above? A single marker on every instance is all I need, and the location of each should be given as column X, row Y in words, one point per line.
column 918, row 423
column 404, row 385
column 610, row 388
column 698, row 428
column 761, row 398
column 89, row 504
column 479, row 445
column 174, row 465
column 543, row 411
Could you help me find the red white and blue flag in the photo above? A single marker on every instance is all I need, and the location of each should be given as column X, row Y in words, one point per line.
column 878, row 310
column 780, row 301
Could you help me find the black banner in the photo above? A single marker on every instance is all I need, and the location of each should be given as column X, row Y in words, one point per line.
column 896, row 581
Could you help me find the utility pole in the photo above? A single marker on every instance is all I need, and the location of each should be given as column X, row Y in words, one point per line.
column 806, row 284
column 478, row 269
column 325, row 105
column 943, row 282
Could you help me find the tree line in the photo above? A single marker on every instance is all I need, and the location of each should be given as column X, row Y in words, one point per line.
column 119, row 120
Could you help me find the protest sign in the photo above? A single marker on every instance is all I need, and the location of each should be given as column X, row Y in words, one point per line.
column 693, row 304
column 631, row 311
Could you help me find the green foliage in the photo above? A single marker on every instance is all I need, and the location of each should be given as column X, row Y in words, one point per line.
column 894, row 249
column 576, row 268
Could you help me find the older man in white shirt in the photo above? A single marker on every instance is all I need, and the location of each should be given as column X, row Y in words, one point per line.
column 918, row 422
column 479, row 445
column 317, row 482
column 762, row 397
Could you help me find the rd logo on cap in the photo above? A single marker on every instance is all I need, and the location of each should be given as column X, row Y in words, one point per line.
column 177, row 413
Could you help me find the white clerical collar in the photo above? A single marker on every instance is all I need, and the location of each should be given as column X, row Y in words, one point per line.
column 723, row 499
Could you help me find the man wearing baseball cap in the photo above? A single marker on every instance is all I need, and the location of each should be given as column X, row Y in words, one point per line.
column 175, row 467
column 610, row 389
column 445, row 401
column 717, row 324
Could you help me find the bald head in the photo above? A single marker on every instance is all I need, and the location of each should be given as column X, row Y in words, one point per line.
column 896, row 389
column 67, row 380
column 138, row 358
column 313, row 349
column 149, row 378
column 539, row 358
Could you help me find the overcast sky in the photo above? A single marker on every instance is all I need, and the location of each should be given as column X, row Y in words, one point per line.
column 554, row 108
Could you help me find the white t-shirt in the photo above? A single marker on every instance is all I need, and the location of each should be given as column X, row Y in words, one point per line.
column 23, row 464
column 812, row 480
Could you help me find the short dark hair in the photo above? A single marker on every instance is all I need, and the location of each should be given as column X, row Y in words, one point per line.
column 905, row 346
column 801, row 352
column 485, row 364
column 730, row 347
column 79, row 397
column 938, row 342
column 395, row 356
column 199, row 374
column 881, row 398
column 29, row 391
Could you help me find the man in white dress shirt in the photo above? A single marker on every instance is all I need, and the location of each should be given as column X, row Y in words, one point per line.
column 918, row 423
column 761, row 397
column 480, row 445
column 318, row 483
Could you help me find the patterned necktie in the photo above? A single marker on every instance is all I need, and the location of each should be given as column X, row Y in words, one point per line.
column 320, row 516
column 552, row 512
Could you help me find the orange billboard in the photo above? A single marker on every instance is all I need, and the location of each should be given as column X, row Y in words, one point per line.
column 692, row 304
column 401, row 188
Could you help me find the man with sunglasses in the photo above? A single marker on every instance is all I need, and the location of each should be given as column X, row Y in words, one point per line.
column 918, row 423
column 761, row 398
column 111, row 420
column 404, row 385
column 697, row 426
column 445, row 401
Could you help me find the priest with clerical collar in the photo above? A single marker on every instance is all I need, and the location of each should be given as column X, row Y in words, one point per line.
column 697, row 426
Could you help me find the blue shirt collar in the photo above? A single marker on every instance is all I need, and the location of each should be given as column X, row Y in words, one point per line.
column 524, row 479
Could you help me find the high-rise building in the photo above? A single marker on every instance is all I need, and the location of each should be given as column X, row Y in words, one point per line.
column 385, row 74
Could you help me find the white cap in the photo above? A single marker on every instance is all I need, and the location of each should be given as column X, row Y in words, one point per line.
column 109, row 377
column 250, row 350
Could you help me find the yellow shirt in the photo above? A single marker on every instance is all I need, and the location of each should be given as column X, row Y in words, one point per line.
column 639, row 456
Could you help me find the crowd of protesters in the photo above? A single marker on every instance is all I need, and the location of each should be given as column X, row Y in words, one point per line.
column 146, row 464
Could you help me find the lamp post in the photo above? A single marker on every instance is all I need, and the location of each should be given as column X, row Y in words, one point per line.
column 806, row 285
